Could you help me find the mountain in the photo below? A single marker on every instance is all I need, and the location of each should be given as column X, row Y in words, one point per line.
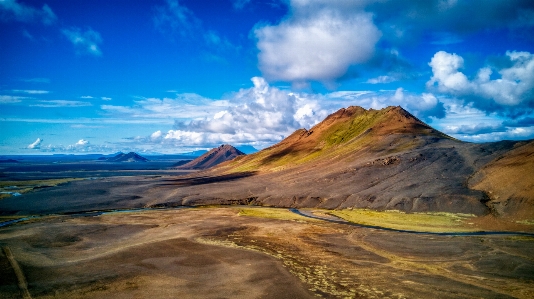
column 129, row 157
column 214, row 157
column 377, row 159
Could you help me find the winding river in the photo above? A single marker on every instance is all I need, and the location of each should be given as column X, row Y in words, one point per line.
column 332, row 219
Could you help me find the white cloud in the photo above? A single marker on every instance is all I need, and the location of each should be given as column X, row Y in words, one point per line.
column 12, row 9
column 239, row 4
column 106, row 98
column 514, row 90
column 520, row 133
column 82, row 146
column 86, row 97
column 60, row 103
column 31, row 91
column 381, row 79
column 82, row 126
column 36, row 144
column 465, row 122
column 37, row 80
column 423, row 105
column 176, row 18
column 184, row 106
column 318, row 42
column 49, row 17
column 85, row 42
column 262, row 109
column 82, row 142
column 260, row 115
column 6, row 99
column 156, row 136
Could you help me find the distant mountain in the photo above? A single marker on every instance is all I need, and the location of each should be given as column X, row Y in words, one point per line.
column 214, row 157
column 129, row 157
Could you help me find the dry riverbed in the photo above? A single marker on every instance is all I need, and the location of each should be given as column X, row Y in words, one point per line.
column 238, row 252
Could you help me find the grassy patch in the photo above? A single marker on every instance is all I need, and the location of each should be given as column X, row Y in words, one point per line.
column 22, row 187
column 424, row 222
column 527, row 222
column 272, row 213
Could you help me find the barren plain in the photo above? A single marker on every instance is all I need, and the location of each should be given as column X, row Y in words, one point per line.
column 254, row 252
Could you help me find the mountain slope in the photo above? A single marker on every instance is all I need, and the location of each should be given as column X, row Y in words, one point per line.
column 357, row 158
column 341, row 134
column 214, row 157
column 509, row 181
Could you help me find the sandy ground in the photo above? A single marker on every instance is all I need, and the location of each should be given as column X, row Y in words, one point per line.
column 217, row 253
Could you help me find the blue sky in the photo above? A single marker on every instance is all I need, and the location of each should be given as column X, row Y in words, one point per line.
column 173, row 76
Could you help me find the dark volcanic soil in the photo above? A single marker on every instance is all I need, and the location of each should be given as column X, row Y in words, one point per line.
column 216, row 253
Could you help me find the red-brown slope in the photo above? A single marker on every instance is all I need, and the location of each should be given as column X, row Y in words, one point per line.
column 214, row 157
column 509, row 181
column 342, row 134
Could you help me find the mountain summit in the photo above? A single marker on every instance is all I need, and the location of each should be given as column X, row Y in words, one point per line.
column 214, row 157
column 341, row 135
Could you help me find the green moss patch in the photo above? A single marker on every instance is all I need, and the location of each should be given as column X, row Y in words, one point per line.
column 423, row 222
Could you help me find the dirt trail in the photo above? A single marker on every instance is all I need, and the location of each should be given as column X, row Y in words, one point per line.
column 23, row 285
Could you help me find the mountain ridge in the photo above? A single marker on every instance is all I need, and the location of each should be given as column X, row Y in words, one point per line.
column 375, row 159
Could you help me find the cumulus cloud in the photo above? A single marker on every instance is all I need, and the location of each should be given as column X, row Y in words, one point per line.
column 36, row 144
column 260, row 115
column 319, row 41
column 12, row 9
column 106, row 98
column 262, row 109
column 512, row 93
column 425, row 106
column 85, row 42
column 82, row 142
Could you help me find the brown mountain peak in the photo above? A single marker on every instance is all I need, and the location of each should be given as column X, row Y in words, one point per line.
column 214, row 157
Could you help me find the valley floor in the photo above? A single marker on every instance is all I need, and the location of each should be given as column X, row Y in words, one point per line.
column 242, row 252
